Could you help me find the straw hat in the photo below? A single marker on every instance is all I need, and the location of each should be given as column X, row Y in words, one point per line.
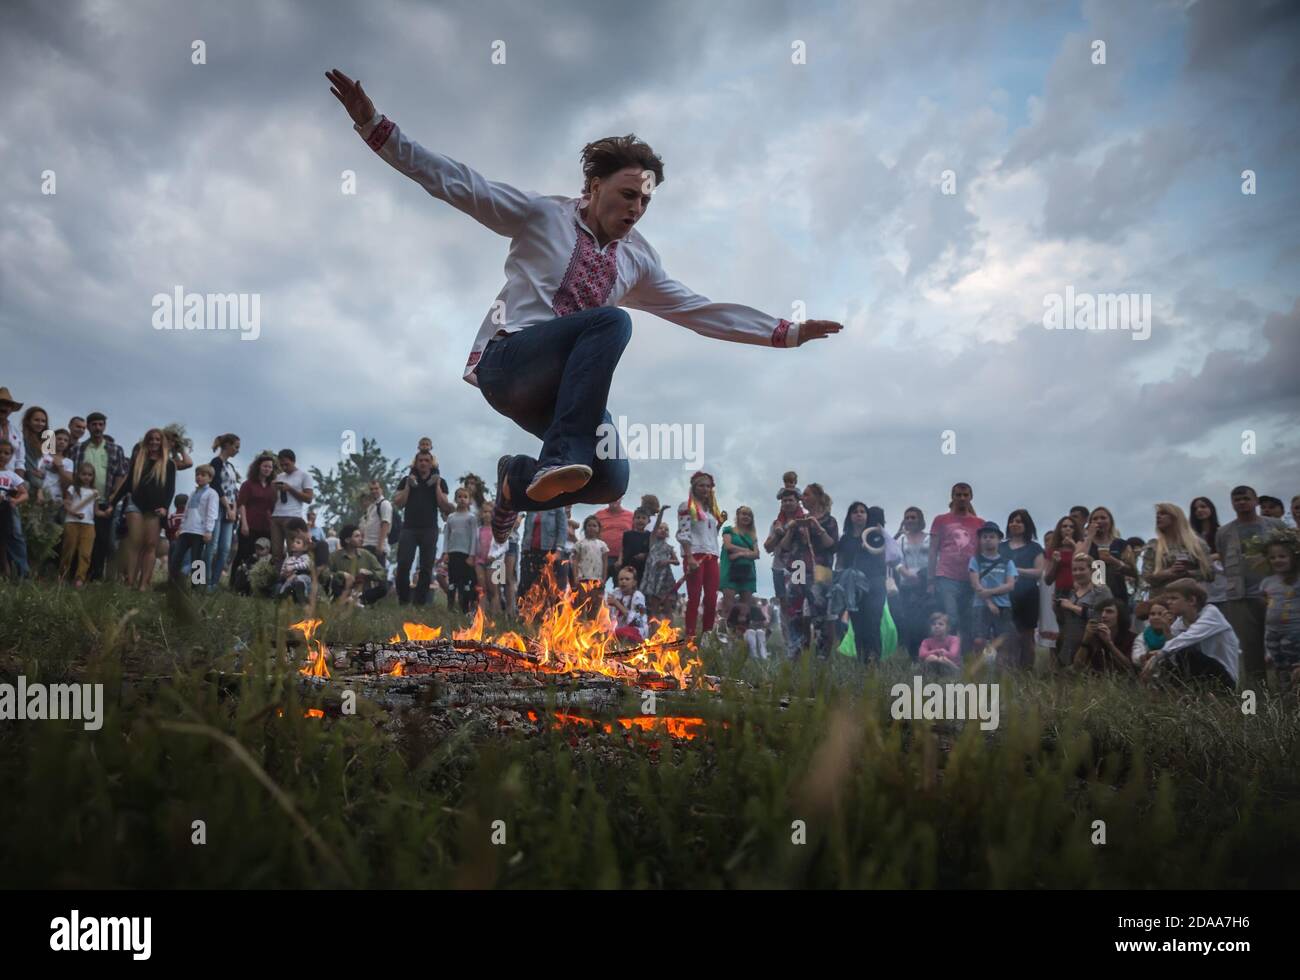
column 8, row 399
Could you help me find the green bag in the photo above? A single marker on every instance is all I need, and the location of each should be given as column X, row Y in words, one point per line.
column 888, row 634
column 847, row 646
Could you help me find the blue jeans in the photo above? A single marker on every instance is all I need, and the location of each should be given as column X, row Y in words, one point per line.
column 552, row 379
column 954, row 598
column 17, row 545
column 218, row 550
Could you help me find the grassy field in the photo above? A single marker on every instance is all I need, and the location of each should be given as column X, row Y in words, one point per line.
column 1193, row 793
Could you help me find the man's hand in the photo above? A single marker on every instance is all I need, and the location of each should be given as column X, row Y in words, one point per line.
column 352, row 95
column 817, row 329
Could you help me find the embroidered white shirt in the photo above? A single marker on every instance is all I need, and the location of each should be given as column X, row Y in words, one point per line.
column 554, row 266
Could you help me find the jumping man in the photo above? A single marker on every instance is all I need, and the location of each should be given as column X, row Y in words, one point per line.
column 545, row 354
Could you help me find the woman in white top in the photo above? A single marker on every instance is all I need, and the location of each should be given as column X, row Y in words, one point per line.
column 698, row 523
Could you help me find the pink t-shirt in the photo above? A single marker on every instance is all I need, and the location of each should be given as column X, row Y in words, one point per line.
column 956, row 539
column 949, row 648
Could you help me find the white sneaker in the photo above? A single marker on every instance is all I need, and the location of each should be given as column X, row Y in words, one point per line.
column 551, row 481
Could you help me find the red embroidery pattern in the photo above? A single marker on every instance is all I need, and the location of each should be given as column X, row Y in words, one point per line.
column 779, row 334
column 588, row 279
column 380, row 134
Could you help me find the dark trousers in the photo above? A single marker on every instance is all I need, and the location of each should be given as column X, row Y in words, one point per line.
column 103, row 547
column 954, row 598
column 553, row 379
column 1246, row 617
column 1194, row 668
column 409, row 540
column 866, row 622
column 461, row 578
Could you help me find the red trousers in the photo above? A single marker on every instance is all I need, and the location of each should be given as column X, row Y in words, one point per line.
column 704, row 576
column 629, row 633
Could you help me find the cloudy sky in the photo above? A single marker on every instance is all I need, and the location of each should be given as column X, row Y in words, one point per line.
column 818, row 183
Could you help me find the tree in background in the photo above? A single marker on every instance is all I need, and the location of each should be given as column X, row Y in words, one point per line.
column 338, row 495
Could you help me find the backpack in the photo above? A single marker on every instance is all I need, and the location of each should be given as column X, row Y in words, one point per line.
column 395, row 529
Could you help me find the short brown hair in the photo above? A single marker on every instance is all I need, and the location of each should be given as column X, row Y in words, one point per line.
column 1190, row 589
column 614, row 153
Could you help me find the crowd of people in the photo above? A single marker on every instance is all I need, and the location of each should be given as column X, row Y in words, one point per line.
column 1199, row 600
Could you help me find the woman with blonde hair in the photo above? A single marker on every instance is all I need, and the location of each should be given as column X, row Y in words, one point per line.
column 1175, row 552
column 150, row 481
column 1101, row 541
column 739, row 552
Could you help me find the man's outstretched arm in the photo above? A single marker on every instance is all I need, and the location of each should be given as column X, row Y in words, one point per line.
column 663, row 296
column 495, row 205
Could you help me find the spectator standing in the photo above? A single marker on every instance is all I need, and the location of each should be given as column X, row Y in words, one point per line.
column 225, row 482
column 1027, row 555
column 150, row 482
column 778, row 544
column 660, row 583
column 294, row 488
column 615, row 521
column 737, row 573
column 543, row 536
column 422, row 495
column 1282, row 617
column 76, row 432
column 1102, row 542
column 954, row 538
column 103, row 453
column 992, row 580
column 255, row 503
column 698, row 524
column 198, row 527
column 1240, row 543
column 912, row 604
column 79, row 503
column 461, row 546
column 1204, row 519
column 636, row 542
column 13, row 491
column 376, row 522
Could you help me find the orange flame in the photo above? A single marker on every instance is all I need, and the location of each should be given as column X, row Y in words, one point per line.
column 318, row 652
column 678, row 727
column 416, row 631
column 399, row 669
column 473, row 632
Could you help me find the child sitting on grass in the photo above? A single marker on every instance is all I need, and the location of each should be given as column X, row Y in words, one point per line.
column 940, row 649
column 747, row 620
column 1282, row 619
column 1151, row 639
column 1107, row 645
column 298, row 573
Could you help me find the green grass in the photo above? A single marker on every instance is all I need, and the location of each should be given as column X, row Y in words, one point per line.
column 1193, row 793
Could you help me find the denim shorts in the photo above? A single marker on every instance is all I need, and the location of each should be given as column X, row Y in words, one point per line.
column 130, row 507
